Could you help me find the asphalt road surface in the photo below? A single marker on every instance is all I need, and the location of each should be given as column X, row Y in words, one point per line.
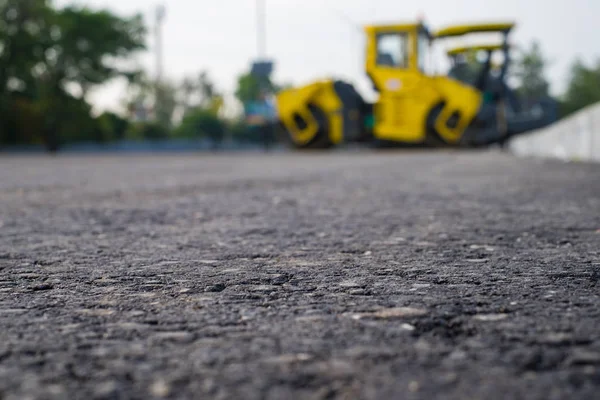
column 362, row 275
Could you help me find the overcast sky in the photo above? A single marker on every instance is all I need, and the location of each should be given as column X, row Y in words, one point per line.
column 312, row 39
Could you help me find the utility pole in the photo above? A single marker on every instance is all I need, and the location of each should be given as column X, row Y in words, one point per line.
column 160, row 17
column 261, row 34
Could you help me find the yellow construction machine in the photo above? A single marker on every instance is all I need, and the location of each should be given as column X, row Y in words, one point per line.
column 413, row 105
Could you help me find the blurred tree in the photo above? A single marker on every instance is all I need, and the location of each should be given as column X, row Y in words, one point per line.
column 202, row 123
column 201, row 104
column 86, row 46
column 207, row 89
column 21, row 50
column 23, row 24
column 165, row 103
column 51, row 58
column 115, row 124
column 188, row 88
column 139, row 95
column 150, row 130
column 248, row 88
column 584, row 87
column 202, row 90
column 530, row 70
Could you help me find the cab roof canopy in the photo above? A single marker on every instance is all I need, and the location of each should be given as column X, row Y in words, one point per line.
column 397, row 27
column 484, row 47
column 460, row 30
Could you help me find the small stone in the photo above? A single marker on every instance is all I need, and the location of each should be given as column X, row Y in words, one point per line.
column 407, row 327
column 310, row 318
column 584, row 357
column 414, row 386
column 160, row 388
column 421, row 285
column 262, row 288
column 70, row 327
column 457, row 355
column 449, row 378
column 490, row 317
column 175, row 336
column 350, row 284
column 556, row 338
column 100, row 351
column 589, row 370
column 368, row 253
column 105, row 282
column 98, row 312
column 481, row 247
column 369, row 352
column 279, row 279
column 424, row 244
column 209, row 262
column 43, row 286
column 289, row 358
column 396, row 312
column 400, row 312
column 131, row 326
column 13, row 311
column 336, row 368
column 136, row 313
column 106, row 388
column 219, row 287
column 56, row 389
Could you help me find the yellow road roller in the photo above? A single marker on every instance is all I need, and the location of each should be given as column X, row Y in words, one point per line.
column 413, row 106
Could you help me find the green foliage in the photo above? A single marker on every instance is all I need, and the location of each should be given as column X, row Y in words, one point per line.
column 147, row 131
column 584, row 87
column 165, row 103
column 22, row 122
column 199, row 92
column 200, row 123
column 45, row 51
column 115, row 124
column 248, row 88
column 86, row 40
column 24, row 26
column 530, row 71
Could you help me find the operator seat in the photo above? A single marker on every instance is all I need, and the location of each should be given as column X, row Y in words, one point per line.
column 385, row 59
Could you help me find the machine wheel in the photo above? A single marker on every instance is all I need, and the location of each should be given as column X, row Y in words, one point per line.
column 321, row 139
column 432, row 137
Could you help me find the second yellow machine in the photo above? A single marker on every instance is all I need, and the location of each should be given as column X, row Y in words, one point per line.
column 413, row 106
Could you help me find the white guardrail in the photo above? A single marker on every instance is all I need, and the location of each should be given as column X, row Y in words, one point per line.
column 575, row 138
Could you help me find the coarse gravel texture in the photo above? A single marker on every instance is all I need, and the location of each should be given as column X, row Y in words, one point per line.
column 348, row 275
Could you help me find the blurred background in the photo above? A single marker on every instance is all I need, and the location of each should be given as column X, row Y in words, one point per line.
column 181, row 74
